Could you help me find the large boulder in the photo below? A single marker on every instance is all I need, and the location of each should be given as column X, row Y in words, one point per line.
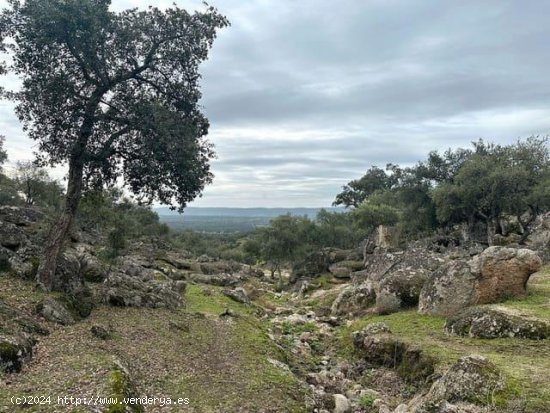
column 15, row 350
column 495, row 274
column 92, row 269
column 473, row 379
column 238, row 294
column 20, row 216
column 11, row 236
column 127, row 291
column 485, row 322
column 539, row 238
column 400, row 289
column 354, row 300
column 68, row 280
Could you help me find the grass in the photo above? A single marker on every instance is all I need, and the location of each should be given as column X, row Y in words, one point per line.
column 220, row 364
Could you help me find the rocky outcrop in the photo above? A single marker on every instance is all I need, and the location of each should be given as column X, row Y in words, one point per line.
column 390, row 280
column 485, row 322
column 496, row 274
column 127, row 291
column 539, row 238
column 472, row 380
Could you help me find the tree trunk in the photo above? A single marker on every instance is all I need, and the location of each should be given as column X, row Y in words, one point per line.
column 45, row 276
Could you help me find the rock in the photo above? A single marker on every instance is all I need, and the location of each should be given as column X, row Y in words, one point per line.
column 15, row 350
column 11, row 236
column 484, row 322
column 539, row 238
column 400, row 289
column 92, row 269
column 100, row 332
column 55, row 311
column 472, row 379
column 381, row 349
column 354, row 299
column 123, row 387
column 341, row 404
column 220, row 267
column 503, row 273
column 68, row 280
column 123, row 290
column 13, row 320
column 496, row 274
column 220, row 280
column 238, row 294
column 179, row 286
column 20, row 216
column 344, row 269
column 370, row 330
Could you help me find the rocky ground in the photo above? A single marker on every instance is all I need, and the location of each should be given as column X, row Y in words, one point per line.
column 433, row 328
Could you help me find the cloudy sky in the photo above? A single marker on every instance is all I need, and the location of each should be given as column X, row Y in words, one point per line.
column 305, row 95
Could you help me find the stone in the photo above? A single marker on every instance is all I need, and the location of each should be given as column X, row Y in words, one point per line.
column 100, row 332
column 400, row 289
column 20, row 216
column 11, row 236
column 488, row 323
column 496, row 274
column 472, row 379
column 69, row 281
column 15, row 350
column 238, row 294
column 55, row 311
column 125, row 291
column 354, row 300
column 341, row 404
column 344, row 269
column 92, row 269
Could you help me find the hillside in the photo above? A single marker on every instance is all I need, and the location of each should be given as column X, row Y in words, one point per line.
column 225, row 337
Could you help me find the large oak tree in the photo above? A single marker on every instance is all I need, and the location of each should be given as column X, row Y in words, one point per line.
column 110, row 95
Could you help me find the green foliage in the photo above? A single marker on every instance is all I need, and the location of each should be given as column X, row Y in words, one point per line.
column 357, row 191
column 285, row 240
column 114, row 93
column 463, row 186
column 3, row 153
column 37, row 187
column 369, row 215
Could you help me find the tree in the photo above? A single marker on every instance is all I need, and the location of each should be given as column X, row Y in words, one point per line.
column 285, row 240
column 36, row 185
column 112, row 94
column 494, row 182
column 3, row 153
column 356, row 191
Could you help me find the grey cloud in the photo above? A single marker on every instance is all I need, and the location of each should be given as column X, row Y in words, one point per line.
column 305, row 95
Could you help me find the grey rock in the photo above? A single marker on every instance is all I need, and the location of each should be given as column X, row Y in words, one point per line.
column 484, row 322
column 238, row 294
column 55, row 311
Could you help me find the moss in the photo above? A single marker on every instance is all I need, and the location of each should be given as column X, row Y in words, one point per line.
column 121, row 388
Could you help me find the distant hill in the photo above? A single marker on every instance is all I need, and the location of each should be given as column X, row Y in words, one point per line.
column 228, row 220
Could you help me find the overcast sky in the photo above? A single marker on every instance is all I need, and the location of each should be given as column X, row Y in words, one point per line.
column 305, row 95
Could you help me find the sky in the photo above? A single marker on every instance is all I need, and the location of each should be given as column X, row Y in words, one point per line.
column 305, row 95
